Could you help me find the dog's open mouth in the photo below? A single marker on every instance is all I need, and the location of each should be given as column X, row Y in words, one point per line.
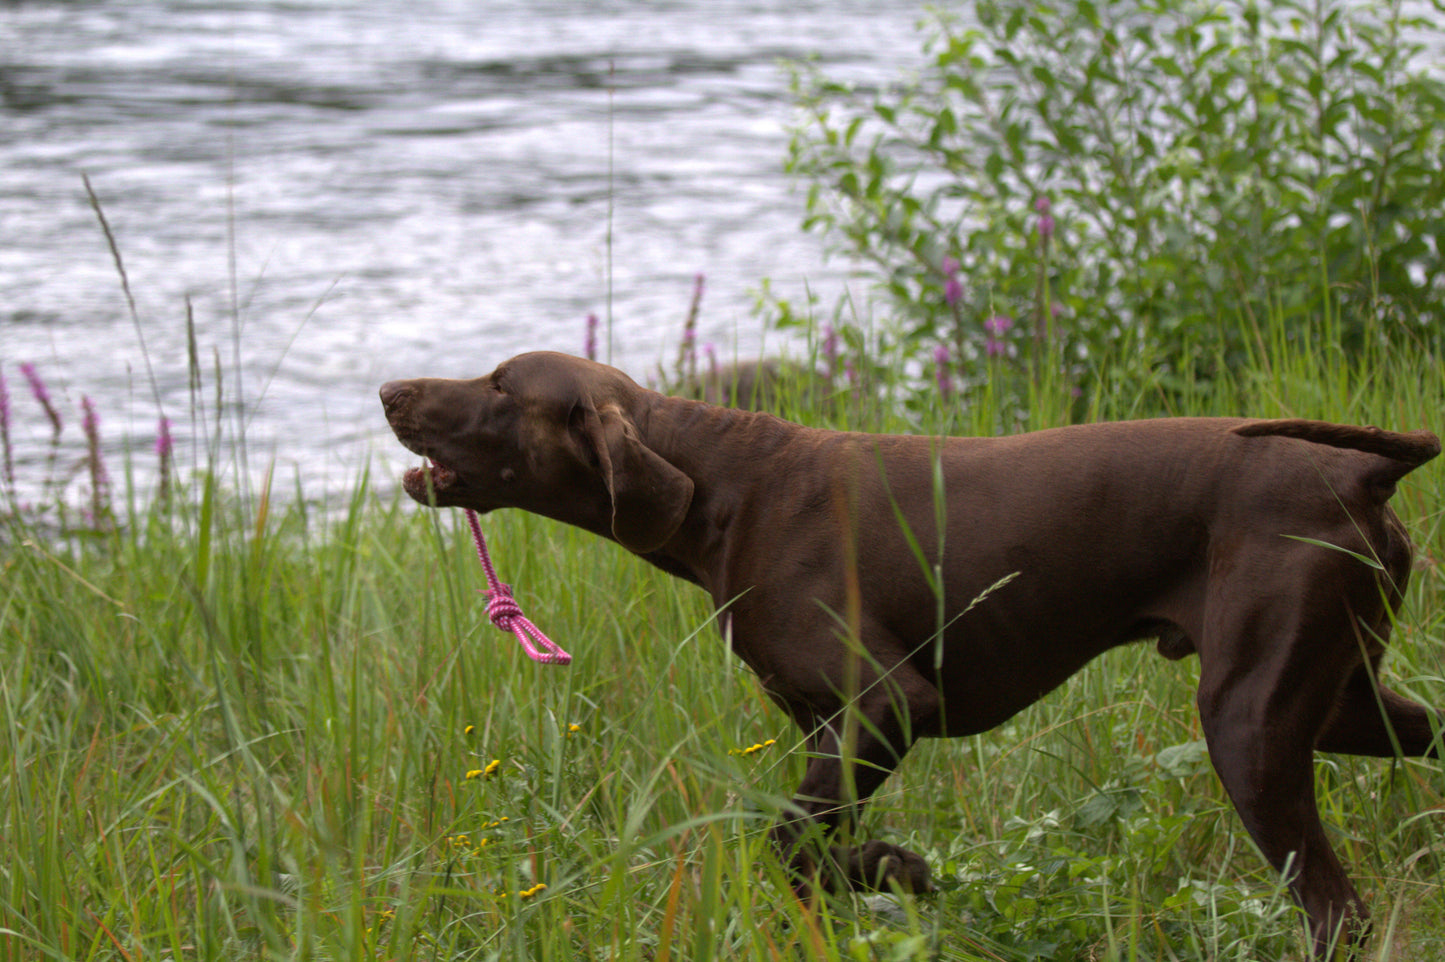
column 430, row 478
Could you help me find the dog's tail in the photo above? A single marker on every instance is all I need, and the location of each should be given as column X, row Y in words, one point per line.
column 1404, row 451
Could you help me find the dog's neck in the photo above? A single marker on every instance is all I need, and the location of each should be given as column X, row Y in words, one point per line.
column 707, row 442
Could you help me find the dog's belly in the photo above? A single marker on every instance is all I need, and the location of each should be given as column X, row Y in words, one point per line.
column 987, row 691
column 997, row 661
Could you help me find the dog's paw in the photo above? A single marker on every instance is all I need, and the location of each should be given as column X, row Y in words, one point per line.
column 880, row 866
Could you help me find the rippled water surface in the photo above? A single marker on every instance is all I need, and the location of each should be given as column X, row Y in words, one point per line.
column 347, row 192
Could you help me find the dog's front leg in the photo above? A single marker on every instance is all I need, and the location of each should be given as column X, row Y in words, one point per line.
column 850, row 759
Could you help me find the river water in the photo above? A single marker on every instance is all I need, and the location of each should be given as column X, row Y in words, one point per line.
column 348, row 192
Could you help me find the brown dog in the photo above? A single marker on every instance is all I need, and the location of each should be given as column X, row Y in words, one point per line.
column 844, row 564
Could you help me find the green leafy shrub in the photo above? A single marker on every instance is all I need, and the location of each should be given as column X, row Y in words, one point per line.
column 1081, row 188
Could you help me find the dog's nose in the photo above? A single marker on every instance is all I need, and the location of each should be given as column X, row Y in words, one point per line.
column 392, row 391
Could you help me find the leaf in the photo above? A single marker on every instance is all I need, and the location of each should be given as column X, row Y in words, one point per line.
column 1180, row 761
column 1107, row 805
column 1371, row 562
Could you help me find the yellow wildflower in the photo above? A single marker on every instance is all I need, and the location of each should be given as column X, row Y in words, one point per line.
column 487, row 772
column 753, row 749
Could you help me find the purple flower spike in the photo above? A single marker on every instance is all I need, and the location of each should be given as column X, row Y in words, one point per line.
column 952, row 286
column 164, row 444
column 830, row 350
column 164, row 447
column 591, row 343
column 5, row 431
column 99, row 480
column 945, row 380
column 1046, row 220
column 42, row 394
column 687, row 351
column 90, row 424
column 952, row 291
column 997, row 326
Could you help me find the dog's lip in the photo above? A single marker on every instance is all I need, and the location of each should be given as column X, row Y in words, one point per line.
column 432, row 476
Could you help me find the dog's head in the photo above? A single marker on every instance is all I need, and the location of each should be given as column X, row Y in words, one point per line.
column 544, row 432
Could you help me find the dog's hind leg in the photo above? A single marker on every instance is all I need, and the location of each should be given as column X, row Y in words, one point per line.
column 1270, row 678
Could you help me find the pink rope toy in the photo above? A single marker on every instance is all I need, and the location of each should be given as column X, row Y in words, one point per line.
column 505, row 614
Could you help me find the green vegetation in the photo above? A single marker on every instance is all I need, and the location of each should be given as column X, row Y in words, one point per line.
column 242, row 727
column 1083, row 189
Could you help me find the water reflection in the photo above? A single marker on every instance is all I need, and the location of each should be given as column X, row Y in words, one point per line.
column 386, row 189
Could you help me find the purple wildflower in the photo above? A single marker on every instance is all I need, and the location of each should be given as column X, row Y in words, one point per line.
column 164, row 447
column 99, row 480
column 830, row 350
column 590, row 346
column 5, row 431
column 996, row 327
column 1046, row 220
column 952, row 286
column 941, row 373
column 164, row 443
column 952, row 291
column 687, row 351
column 42, row 394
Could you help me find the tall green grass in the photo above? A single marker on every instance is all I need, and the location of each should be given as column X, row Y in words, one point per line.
column 243, row 729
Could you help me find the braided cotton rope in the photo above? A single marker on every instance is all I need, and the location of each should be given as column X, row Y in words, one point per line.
column 505, row 614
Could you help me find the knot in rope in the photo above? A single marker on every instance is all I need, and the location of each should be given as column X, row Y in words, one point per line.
column 502, row 608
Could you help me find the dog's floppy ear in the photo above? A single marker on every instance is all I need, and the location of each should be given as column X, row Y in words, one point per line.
column 650, row 497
